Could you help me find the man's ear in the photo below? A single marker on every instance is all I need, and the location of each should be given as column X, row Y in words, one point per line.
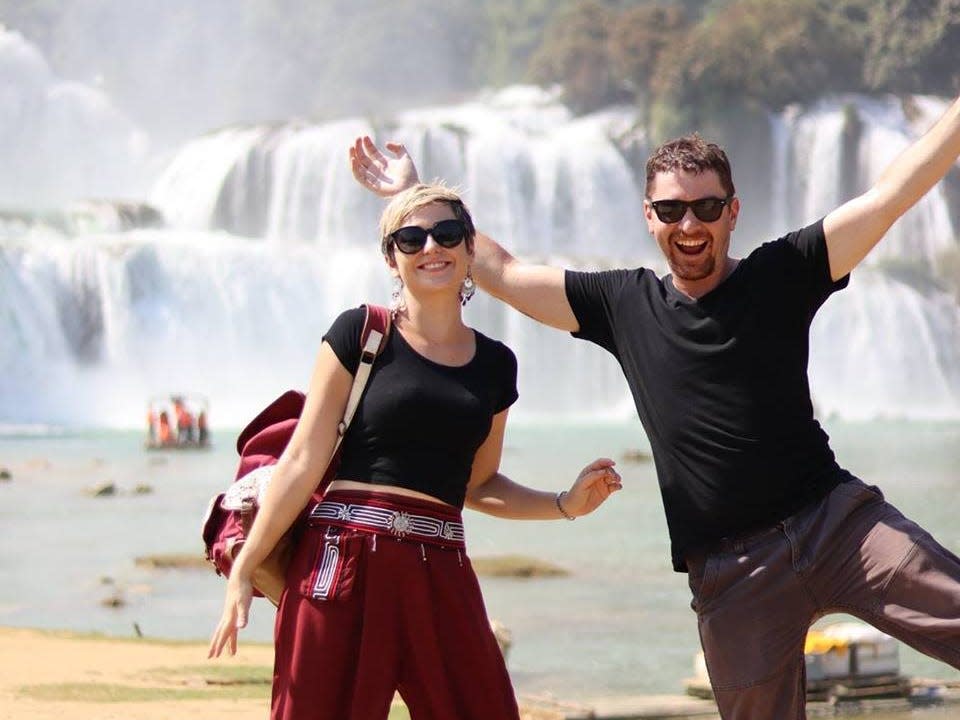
column 648, row 214
column 734, row 212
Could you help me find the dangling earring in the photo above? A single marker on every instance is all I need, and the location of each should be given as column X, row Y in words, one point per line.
column 398, row 303
column 467, row 289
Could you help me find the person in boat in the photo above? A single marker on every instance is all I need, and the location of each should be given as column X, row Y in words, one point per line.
column 374, row 607
column 184, row 422
column 151, row 426
column 164, row 431
column 203, row 432
column 771, row 530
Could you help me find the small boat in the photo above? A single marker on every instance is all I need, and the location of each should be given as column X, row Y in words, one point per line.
column 178, row 421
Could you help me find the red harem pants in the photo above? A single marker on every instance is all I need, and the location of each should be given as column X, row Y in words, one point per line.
column 852, row 552
column 393, row 613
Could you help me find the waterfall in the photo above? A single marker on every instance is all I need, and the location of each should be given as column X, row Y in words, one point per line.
column 539, row 179
column 190, row 187
column 926, row 231
column 811, row 170
column 95, row 325
column 887, row 350
column 267, row 238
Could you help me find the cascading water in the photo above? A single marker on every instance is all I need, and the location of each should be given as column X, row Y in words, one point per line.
column 887, row 350
column 94, row 326
column 889, row 346
column 813, row 172
column 267, row 238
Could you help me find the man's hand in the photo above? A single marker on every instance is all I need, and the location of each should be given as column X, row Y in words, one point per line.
column 382, row 175
column 535, row 290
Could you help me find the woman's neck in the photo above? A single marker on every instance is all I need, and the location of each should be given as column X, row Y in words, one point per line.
column 434, row 320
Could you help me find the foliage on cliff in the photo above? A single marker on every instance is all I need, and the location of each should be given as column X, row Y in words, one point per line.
column 690, row 59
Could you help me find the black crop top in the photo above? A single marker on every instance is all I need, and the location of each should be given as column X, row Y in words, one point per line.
column 420, row 423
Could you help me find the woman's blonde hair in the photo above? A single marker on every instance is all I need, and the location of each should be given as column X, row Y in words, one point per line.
column 412, row 199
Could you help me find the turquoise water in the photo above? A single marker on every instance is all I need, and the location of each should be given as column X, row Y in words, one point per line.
column 619, row 623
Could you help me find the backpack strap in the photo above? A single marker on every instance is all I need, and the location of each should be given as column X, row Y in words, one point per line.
column 373, row 338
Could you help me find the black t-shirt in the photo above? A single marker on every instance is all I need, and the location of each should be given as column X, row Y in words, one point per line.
column 420, row 423
column 720, row 384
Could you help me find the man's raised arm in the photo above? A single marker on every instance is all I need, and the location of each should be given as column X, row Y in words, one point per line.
column 538, row 291
column 856, row 226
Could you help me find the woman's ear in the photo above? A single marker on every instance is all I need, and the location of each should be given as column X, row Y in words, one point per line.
column 391, row 262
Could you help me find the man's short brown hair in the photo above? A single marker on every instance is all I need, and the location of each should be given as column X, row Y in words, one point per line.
column 692, row 154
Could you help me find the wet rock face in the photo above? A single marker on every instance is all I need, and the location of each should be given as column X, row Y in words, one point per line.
column 106, row 215
column 81, row 318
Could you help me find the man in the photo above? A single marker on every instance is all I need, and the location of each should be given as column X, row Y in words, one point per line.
column 771, row 530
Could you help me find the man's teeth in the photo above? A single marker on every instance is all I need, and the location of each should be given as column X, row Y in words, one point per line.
column 691, row 243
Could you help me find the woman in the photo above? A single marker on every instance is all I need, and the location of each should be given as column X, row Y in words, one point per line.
column 380, row 594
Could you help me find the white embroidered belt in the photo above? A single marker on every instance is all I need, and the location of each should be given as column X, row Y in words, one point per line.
column 399, row 523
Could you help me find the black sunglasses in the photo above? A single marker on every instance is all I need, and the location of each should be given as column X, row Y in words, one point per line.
column 446, row 233
column 706, row 209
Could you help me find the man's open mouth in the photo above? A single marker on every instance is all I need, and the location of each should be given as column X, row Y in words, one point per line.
column 691, row 246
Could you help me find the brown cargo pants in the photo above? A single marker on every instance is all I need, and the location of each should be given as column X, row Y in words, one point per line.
column 756, row 596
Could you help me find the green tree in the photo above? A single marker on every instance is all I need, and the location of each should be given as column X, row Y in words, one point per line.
column 772, row 52
column 514, row 29
column 574, row 54
column 642, row 39
column 908, row 45
column 397, row 54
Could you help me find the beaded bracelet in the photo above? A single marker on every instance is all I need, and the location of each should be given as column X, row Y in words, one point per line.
column 563, row 512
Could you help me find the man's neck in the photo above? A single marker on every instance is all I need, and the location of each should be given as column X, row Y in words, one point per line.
column 696, row 289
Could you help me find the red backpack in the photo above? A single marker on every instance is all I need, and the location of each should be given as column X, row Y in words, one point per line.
column 230, row 514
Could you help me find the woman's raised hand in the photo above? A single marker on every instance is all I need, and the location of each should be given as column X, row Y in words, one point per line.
column 382, row 175
column 595, row 483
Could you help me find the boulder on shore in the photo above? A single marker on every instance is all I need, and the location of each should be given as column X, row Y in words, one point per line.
column 102, row 489
column 172, row 561
column 517, row 566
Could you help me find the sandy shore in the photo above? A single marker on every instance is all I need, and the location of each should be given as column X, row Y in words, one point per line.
column 43, row 673
column 48, row 675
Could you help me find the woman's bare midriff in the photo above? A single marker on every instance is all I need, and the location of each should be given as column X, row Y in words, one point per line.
column 357, row 486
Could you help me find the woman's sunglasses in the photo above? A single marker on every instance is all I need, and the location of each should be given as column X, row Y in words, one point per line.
column 706, row 209
column 446, row 233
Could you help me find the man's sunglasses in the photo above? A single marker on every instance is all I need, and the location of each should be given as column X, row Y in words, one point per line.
column 446, row 233
column 706, row 209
